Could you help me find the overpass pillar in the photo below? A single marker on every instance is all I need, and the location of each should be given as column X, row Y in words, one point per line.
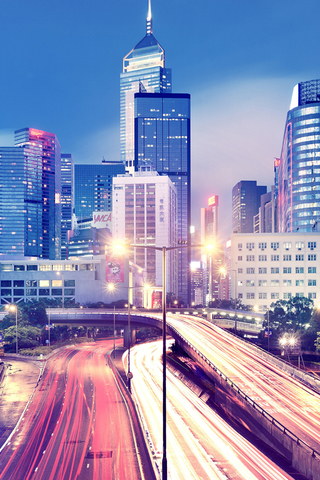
column 209, row 316
column 126, row 336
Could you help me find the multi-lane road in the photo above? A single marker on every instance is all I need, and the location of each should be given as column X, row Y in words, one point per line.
column 201, row 445
column 76, row 426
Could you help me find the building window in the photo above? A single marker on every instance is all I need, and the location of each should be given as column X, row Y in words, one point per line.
column 56, row 283
column 250, row 271
column 57, row 268
column 44, row 268
column 275, row 245
column 56, row 291
column 262, row 283
column 250, row 258
column 6, row 267
column 312, row 245
column 262, row 258
column 299, row 245
column 312, row 295
column 263, row 245
column 18, row 283
column 44, row 283
column 69, row 283
column 31, row 292
column 312, row 269
column 275, row 283
column 250, row 283
column 312, row 283
column 31, row 283
column 44, row 291
column 250, row 246
column 299, row 258
column 299, row 295
column 274, row 296
column 263, row 270
column 32, row 267
column 69, row 291
column 240, row 270
column 250, row 296
column 299, row 270
column 19, row 268
column 240, row 247
column 274, row 258
column 286, row 269
column 287, row 296
column 312, row 257
column 287, row 258
column 240, row 295
column 239, row 259
column 5, row 283
column 275, row 270
column 299, row 283
column 262, row 296
column 287, row 245
column 287, row 283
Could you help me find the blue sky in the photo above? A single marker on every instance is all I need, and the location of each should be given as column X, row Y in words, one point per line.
column 60, row 63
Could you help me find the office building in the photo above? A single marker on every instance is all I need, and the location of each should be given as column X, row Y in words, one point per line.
column 162, row 143
column 145, row 213
column 267, row 267
column 30, row 208
column 67, row 200
column 298, row 195
column 246, row 197
column 93, row 187
column 143, row 71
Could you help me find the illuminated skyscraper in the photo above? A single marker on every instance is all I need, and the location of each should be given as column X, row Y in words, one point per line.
column 298, row 192
column 30, row 208
column 67, row 200
column 246, row 201
column 162, row 134
column 143, row 71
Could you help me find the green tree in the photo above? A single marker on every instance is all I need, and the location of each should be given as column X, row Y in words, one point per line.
column 28, row 336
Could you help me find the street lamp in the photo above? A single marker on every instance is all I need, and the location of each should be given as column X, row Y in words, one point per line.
column 164, row 251
column 14, row 308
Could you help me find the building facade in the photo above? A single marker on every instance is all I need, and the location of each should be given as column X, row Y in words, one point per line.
column 143, row 71
column 298, row 193
column 245, row 205
column 162, row 143
column 145, row 213
column 93, row 187
column 67, row 201
column 30, row 203
column 270, row 267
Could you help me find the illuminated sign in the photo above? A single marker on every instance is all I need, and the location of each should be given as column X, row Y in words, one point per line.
column 213, row 200
column 102, row 220
column 277, row 162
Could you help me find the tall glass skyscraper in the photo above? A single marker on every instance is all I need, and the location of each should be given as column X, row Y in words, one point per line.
column 298, row 192
column 30, row 209
column 143, row 71
column 93, row 187
column 67, row 200
column 162, row 143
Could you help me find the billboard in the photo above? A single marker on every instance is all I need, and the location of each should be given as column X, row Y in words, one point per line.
column 102, row 220
column 115, row 268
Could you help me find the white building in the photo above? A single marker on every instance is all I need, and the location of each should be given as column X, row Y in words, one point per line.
column 145, row 213
column 267, row 267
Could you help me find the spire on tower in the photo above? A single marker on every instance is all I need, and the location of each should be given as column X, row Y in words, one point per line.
column 149, row 20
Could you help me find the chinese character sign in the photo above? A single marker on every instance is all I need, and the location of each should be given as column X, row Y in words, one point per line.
column 115, row 268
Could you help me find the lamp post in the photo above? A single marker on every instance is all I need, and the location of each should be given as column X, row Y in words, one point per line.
column 14, row 308
column 164, row 251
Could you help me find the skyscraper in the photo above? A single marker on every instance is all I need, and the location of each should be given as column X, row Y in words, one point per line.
column 145, row 213
column 143, row 71
column 246, row 198
column 67, row 200
column 298, row 192
column 93, row 187
column 30, row 208
column 162, row 143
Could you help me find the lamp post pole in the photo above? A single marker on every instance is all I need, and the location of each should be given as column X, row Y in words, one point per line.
column 17, row 349
column 129, row 342
column 114, row 331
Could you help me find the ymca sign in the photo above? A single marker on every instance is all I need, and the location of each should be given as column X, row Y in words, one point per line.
column 102, row 220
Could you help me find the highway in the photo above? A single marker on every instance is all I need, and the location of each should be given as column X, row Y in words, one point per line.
column 76, row 426
column 296, row 406
column 200, row 444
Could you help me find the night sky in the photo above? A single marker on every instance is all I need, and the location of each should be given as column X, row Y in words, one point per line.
column 60, row 63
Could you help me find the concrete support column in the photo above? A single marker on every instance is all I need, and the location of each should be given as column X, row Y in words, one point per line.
column 126, row 336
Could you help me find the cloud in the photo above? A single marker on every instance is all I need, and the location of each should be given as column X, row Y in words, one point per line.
column 237, row 130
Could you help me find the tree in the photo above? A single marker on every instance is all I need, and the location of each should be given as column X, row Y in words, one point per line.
column 28, row 336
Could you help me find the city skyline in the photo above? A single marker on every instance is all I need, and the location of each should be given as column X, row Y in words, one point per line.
column 66, row 80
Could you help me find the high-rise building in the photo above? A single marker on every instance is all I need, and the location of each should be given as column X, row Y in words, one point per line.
column 162, row 143
column 67, row 200
column 298, row 194
column 30, row 207
column 145, row 213
column 143, row 71
column 246, row 198
column 93, row 187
